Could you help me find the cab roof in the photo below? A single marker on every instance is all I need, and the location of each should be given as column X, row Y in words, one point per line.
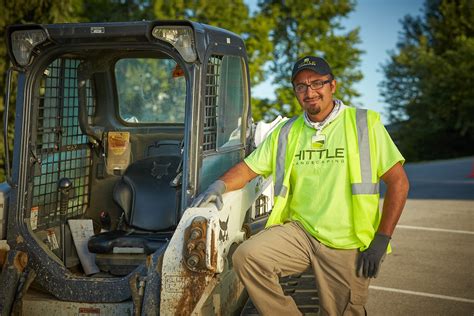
column 124, row 33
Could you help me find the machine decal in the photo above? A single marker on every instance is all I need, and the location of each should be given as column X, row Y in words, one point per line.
column 34, row 217
column 159, row 170
column 223, row 233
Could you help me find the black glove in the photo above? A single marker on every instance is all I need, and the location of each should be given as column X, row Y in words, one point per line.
column 369, row 260
column 212, row 194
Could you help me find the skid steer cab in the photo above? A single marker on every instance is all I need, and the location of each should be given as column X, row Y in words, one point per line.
column 118, row 127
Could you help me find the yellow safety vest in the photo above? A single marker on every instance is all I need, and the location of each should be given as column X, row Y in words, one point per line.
column 358, row 126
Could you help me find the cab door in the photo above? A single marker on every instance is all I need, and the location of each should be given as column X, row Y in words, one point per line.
column 225, row 109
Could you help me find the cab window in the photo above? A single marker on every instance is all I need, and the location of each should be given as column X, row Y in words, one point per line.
column 150, row 90
column 231, row 103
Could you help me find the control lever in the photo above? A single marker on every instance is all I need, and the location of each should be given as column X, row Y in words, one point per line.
column 105, row 221
column 64, row 188
column 179, row 175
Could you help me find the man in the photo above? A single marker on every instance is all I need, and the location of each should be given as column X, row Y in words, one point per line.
column 326, row 165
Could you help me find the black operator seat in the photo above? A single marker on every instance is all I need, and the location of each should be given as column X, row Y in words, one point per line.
column 149, row 194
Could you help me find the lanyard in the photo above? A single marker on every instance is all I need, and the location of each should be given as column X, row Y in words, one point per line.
column 318, row 126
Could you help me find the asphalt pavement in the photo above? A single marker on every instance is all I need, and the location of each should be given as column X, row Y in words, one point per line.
column 431, row 269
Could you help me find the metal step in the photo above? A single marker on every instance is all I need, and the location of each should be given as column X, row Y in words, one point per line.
column 302, row 288
column 38, row 303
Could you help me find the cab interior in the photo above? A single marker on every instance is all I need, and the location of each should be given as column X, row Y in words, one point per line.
column 112, row 122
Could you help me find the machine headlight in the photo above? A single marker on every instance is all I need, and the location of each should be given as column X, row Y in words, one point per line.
column 181, row 37
column 23, row 43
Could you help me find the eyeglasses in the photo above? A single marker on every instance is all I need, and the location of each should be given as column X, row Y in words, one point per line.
column 315, row 85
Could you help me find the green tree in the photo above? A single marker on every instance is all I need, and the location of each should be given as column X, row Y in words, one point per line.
column 429, row 79
column 235, row 16
column 117, row 10
column 302, row 28
column 230, row 15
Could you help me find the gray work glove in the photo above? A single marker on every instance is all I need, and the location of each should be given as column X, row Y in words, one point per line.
column 212, row 194
column 370, row 259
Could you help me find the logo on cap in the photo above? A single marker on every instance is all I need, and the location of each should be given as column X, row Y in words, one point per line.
column 307, row 62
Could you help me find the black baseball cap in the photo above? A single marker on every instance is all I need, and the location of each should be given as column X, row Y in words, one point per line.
column 316, row 64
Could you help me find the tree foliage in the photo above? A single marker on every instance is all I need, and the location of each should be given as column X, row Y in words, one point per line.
column 429, row 82
column 230, row 15
column 276, row 34
column 117, row 10
column 302, row 28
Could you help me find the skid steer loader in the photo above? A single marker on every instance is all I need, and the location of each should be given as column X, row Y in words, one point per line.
column 118, row 126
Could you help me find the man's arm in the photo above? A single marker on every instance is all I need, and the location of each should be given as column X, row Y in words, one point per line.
column 238, row 176
column 395, row 178
column 235, row 178
column 395, row 197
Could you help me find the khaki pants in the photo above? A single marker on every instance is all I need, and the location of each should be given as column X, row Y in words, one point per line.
column 287, row 249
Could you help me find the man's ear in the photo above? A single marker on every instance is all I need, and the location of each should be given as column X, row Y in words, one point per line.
column 333, row 86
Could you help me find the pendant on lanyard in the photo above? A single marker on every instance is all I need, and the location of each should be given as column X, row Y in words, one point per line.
column 318, row 140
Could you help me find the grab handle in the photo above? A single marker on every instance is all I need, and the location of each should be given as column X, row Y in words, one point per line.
column 6, row 102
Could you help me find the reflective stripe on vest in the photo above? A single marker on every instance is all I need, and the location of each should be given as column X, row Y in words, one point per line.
column 280, row 189
column 365, row 187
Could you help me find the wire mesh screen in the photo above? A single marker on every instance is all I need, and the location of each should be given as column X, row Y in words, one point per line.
column 211, row 101
column 61, row 150
column 261, row 206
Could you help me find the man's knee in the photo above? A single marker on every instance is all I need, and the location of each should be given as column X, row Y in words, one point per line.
column 246, row 256
column 240, row 256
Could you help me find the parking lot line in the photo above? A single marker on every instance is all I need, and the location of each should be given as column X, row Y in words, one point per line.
column 437, row 181
column 466, row 232
column 444, row 297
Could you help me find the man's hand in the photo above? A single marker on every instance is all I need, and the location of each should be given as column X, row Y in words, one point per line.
column 212, row 194
column 369, row 260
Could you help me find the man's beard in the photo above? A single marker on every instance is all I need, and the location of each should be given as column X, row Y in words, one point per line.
column 314, row 111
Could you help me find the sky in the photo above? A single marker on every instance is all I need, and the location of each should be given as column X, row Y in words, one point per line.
column 379, row 22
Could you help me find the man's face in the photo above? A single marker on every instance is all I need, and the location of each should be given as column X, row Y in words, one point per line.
column 317, row 103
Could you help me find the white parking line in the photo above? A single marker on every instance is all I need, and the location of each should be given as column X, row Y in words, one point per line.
column 436, row 229
column 442, row 181
column 444, row 297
